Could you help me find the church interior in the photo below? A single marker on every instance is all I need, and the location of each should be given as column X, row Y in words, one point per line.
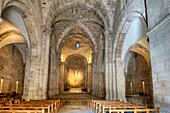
column 86, row 49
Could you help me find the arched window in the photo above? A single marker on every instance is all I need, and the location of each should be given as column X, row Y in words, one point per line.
column 77, row 44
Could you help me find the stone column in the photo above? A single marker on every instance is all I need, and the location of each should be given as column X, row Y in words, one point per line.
column 57, row 83
column 36, row 72
column 89, row 84
column 27, row 74
column 52, row 73
column 107, row 77
column 101, row 84
column 61, row 77
column 86, row 76
column 94, row 79
column 114, row 80
column 44, row 67
column 120, row 80
column 110, row 63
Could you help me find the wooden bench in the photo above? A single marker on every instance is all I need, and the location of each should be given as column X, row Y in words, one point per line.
column 95, row 104
column 102, row 106
column 49, row 106
column 135, row 110
column 106, row 108
column 55, row 105
column 22, row 111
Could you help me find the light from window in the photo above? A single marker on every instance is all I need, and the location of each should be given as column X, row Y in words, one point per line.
column 77, row 44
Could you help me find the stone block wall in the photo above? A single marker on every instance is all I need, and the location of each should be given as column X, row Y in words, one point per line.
column 159, row 36
column 11, row 69
column 157, row 11
column 160, row 59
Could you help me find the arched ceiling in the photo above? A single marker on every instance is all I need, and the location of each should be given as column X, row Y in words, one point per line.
column 77, row 21
column 9, row 34
column 69, row 48
column 52, row 8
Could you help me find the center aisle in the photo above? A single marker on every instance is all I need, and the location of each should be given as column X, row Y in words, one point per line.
column 75, row 106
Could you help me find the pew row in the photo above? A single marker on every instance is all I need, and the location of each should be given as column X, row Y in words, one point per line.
column 33, row 106
column 116, row 106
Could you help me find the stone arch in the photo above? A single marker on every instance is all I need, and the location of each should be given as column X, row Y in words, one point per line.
column 100, row 74
column 140, row 49
column 25, row 12
column 127, row 58
column 126, row 20
column 139, row 29
column 13, row 16
column 122, row 30
column 137, row 70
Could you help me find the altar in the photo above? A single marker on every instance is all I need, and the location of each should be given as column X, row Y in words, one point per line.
column 75, row 90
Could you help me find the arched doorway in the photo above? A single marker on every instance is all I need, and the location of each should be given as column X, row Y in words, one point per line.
column 138, row 79
column 76, row 73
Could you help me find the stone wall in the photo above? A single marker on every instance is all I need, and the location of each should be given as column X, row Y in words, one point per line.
column 157, row 11
column 11, row 69
column 160, row 59
column 159, row 24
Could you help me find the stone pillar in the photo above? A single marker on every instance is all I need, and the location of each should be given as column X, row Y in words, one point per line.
column 94, row 79
column 89, row 84
column 36, row 72
column 44, row 66
column 114, row 81
column 27, row 74
column 61, row 77
column 120, row 80
column 86, row 76
column 52, row 82
column 101, row 90
column 57, row 83
column 110, row 65
column 107, row 76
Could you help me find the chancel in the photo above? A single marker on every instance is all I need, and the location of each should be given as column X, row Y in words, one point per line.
column 98, row 52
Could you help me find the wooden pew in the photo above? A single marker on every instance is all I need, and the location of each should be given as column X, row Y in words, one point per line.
column 95, row 104
column 106, row 108
column 44, row 108
column 54, row 104
column 135, row 110
column 51, row 106
column 101, row 106
column 22, row 111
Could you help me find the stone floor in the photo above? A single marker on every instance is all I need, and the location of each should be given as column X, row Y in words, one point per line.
column 75, row 102
column 75, row 106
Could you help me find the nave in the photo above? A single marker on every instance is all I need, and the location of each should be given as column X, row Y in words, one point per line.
column 71, row 103
column 113, row 49
column 75, row 106
column 76, row 102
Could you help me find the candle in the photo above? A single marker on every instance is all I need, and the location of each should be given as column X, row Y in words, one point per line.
column 17, row 86
column 1, row 85
column 131, row 88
